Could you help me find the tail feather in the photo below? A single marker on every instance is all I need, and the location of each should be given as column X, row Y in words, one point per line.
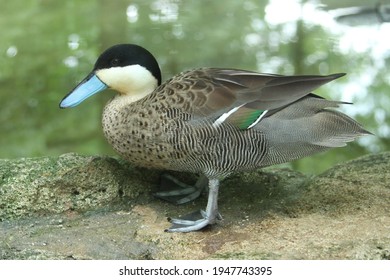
column 307, row 127
column 335, row 129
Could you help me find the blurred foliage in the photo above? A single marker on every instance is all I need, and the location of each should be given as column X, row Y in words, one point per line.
column 48, row 46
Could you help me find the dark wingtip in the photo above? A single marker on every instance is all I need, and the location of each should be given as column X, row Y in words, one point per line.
column 337, row 75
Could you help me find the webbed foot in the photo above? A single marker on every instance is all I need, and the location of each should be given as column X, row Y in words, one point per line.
column 199, row 219
column 192, row 222
column 183, row 193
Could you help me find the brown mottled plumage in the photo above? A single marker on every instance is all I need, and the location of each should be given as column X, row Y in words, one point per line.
column 210, row 121
column 185, row 109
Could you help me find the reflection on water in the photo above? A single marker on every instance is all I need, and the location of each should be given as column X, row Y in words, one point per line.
column 47, row 46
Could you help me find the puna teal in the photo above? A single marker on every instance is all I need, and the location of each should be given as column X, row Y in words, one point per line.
column 210, row 121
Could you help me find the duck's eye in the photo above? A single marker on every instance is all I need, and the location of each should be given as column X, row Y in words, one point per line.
column 115, row 62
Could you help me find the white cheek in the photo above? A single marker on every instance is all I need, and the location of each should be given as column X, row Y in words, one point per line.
column 129, row 80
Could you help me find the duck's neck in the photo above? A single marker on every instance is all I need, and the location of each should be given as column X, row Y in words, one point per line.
column 132, row 82
column 122, row 100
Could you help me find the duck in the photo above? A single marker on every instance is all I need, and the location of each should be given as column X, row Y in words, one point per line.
column 210, row 121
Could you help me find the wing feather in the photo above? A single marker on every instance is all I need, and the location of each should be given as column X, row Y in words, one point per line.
column 217, row 91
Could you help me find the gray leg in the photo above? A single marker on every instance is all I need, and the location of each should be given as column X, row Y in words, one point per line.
column 198, row 220
column 184, row 193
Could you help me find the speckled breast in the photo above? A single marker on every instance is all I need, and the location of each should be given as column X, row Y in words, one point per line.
column 139, row 134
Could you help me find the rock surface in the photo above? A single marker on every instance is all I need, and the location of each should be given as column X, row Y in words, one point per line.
column 84, row 207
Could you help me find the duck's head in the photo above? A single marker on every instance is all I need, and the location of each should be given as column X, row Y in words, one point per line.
column 129, row 69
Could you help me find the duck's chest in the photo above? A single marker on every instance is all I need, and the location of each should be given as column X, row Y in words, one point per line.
column 141, row 134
